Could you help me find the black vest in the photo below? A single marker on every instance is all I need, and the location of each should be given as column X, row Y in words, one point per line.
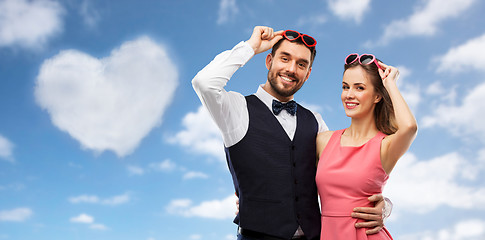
column 274, row 177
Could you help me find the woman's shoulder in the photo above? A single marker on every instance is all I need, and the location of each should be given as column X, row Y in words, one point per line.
column 325, row 135
column 322, row 139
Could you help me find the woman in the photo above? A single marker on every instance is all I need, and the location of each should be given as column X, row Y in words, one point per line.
column 355, row 163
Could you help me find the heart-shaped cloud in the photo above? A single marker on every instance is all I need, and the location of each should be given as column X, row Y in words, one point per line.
column 109, row 103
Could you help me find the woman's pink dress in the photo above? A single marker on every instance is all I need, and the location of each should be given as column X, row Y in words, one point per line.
column 346, row 177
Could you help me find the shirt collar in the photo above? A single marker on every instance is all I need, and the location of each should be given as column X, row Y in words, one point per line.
column 265, row 97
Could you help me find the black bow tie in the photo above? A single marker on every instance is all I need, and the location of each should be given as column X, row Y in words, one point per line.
column 290, row 107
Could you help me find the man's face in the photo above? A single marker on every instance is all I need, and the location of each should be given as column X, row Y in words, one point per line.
column 288, row 69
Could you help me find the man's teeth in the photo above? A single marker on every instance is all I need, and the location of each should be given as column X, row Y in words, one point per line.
column 286, row 79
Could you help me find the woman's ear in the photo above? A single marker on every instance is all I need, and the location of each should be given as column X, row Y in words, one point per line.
column 378, row 98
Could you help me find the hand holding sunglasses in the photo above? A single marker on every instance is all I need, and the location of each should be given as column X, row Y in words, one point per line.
column 263, row 38
column 388, row 73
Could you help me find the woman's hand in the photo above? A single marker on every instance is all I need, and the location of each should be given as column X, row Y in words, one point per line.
column 388, row 73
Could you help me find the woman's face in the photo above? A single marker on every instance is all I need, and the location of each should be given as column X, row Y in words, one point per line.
column 358, row 93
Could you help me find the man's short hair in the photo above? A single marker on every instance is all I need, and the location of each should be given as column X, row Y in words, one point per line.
column 298, row 41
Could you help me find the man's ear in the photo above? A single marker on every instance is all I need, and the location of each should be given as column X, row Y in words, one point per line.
column 308, row 73
column 269, row 60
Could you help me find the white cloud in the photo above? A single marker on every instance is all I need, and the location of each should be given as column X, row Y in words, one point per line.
column 472, row 229
column 98, row 226
column 446, row 94
column 230, row 237
column 6, row 149
column 84, row 199
column 462, row 120
column 464, row 57
column 110, row 103
column 87, row 219
column 200, row 135
column 227, row 9
column 215, row 209
column 481, row 156
column 82, row 218
column 29, row 23
column 195, row 237
column 404, row 73
column 435, row 89
column 75, row 165
column 15, row 215
column 425, row 20
column 441, row 181
column 12, row 186
column 135, row 170
column 349, row 9
column 313, row 107
column 165, row 166
column 177, row 204
column 312, row 20
column 192, row 175
column 112, row 201
column 117, row 200
column 410, row 92
column 89, row 14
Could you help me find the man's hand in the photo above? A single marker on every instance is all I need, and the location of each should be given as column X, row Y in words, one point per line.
column 263, row 38
column 372, row 216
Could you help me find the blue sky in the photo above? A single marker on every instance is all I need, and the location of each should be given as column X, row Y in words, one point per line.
column 103, row 137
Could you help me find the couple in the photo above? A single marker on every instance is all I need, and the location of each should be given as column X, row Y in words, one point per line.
column 272, row 142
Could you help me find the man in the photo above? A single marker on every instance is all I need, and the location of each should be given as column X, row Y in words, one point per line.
column 270, row 139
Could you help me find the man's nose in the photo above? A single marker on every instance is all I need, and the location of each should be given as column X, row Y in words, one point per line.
column 291, row 67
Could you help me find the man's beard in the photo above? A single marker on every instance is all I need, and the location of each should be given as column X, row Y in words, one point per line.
column 281, row 91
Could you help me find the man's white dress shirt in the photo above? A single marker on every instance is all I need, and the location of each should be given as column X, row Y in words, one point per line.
column 229, row 109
